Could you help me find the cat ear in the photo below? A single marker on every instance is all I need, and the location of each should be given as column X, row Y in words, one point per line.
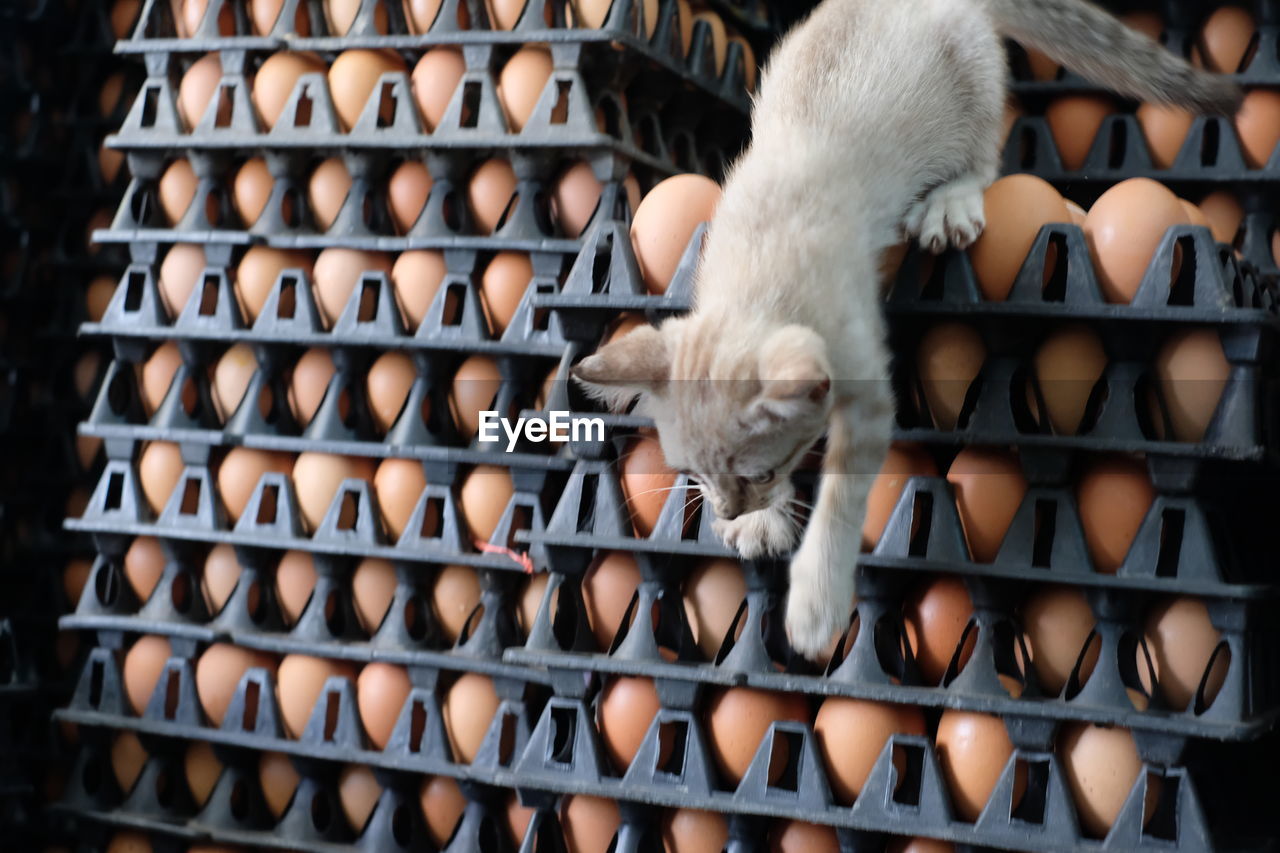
column 795, row 378
column 637, row 363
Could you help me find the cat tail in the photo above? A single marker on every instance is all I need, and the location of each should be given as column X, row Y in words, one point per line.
column 1093, row 43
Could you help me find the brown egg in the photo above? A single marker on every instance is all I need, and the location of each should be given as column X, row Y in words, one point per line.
column 1148, row 23
column 738, row 719
column 454, row 595
column 1042, row 67
column 317, row 478
column 492, row 185
column 176, row 189
column 664, row 223
column 221, row 575
column 1058, row 622
column 936, row 616
column 309, row 383
column 97, row 297
column 124, row 14
column 521, row 82
column 128, row 756
column 1114, row 494
column 336, row 273
column 203, row 769
column 646, row 481
column 948, row 360
column 989, row 488
column 592, row 14
column 484, row 496
column 1101, row 764
column 276, row 80
column 518, row 818
column 295, row 580
column 749, row 65
column 159, row 468
column 110, row 96
column 381, row 691
column 300, row 680
column 624, row 712
column 574, row 198
column 129, row 842
column 373, row 587
column 398, row 484
column 435, row 78
column 589, row 823
column 475, row 390
column 1016, row 208
column 719, row 37
column 1192, row 371
column 143, row 665
column 535, row 590
column 1068, row 365
column 1076, row 212
column 416, row 277
column 407, row 192
column 181, row 269
column 257, row 273
column 1224, row 214
column 713, row 592
column 74, row 576
column 903, row 462
column 793, row 836
column 157, row 375
column 420, row 15
column 1258, row 125
column 851, row 734
column 1182, row 641
column 192, row 15
column 199, row 83
column 143, row 565
column 502, row 287
column 694, row 831
column 358, row 792
column 468, row 709
column 231, row 377
column 278, row 780
column 607, row 588
column 327, row 189
column 263, row 15
column 972, row 751
column 354, row 75
column 1165, row 128
column 251, row 189
column 1224, row 40
column 443, row 804
column 341, row 14
column 218, row 673
column 920, row 845
column 389, row 381
column 242, row 470
column 1074, row 121
column 1123, row 229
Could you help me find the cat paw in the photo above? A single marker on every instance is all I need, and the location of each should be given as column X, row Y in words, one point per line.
column 767, row 531
column 815, row 611
column 950, row 214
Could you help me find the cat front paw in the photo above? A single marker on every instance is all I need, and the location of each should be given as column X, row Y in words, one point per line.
column 949, row 215
column 818, row 603
column 765, row 532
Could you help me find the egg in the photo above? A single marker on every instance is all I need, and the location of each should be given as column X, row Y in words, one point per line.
column 625, row 710
column 1068, row 366
column 484, row 496
column 535, row 589
column 1042, row 67
column 469, row 707
column 592, row 14
column 505, row 14
column 436, row 77
column 317, row 478
column 491, row 187
column 407, row 191
column 443, row 804
column 1058, row 623
column 97, row 297
column 309, row 383
column 1016, row 207
column 1148, row 23
column 176, row 189
column 1192, row 372
column 109, row 163
column 124, row 13
column 295, row 581
column 1123, row 229
column 936, row 616
column 399, row 484
column 902, row 462
column 231, row 377
column 719, row 37
column 278, row 780
column 574, row 198
column 518, row 818
column 143, row 665
column 358, row 793
column 251, row 188
column 276, row 79
column 1114, row 494
column 694, row 831
column 1074, row 121
column 475, row 390
column 749, row 66
column 793, row 836
column 416, row 277
column 1224, row 40
column 219, row 671
column 202, row 769
column 646, row 481
column 920, row 845
column 327, row 189
column 1076, row 212
column 129, row 842
column 354, row 75
column 157, row 376
column 389, row 379
column 143, row 565
column 664, row 223
column 199, row 83
column 738, row 719
column 1165, row 128
column 1101, row 765
column 160, row 468
column 300, row 680
column 263, row 15
column 128, row 756
column 1182, row 641
column 337, row 271
column 1224, row 214
column 381, row 691
column 258, row 270
column 454, row 596
column 74, row 577
column 421, row 14
column 193, row 13
column 373, row 587
column 341, row 14
column 607, row 589
column 180, row 271
column 948, row 360
column 1258, row 126
column 851, row 734
column 989, row 488
column 241, row 471
column 589, row 823
column 221, row 575
column 713, row 592
column 972, row 751
column 521, row 82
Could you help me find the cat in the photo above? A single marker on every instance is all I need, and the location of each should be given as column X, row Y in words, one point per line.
column 875, row 120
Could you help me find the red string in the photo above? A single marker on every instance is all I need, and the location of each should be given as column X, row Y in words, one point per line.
column 520, row 557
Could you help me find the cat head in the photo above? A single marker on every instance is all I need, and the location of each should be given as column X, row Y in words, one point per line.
column 736, row 409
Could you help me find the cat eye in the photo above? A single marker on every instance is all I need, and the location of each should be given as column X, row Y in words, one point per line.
column 760, row 479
